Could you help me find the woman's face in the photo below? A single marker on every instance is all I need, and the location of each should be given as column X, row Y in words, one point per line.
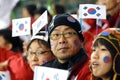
column 101, row 61
column 38, row 55
column 25, row 13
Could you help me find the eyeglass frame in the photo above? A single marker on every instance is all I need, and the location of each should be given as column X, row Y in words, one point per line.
column 63, row 34
column 29, row 53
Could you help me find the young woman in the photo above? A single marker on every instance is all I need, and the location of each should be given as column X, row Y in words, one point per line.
column 105, row 57
column 38, row 52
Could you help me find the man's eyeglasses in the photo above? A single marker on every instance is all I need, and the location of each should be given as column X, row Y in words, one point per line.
column 56, row 35
column 38, row 53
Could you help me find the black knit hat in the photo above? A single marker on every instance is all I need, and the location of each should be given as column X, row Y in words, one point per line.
column 68, row 20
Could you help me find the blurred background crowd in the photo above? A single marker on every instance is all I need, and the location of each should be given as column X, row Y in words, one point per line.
column 70, row 6
column 13, row 9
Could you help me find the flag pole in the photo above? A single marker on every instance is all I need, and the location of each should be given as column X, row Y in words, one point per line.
column 81, row 23
column 97, row 27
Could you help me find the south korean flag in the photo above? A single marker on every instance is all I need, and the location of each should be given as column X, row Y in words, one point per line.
column 21, row 26
column 92, row 11
column 5, row 75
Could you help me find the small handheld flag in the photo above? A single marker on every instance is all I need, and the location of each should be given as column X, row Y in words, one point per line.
column 5, row 75
column 6, row 7
column 47, row 73
column 21, row 26
column 40, row 23
column 92, row 11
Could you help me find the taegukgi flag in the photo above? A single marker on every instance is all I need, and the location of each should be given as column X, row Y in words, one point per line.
column 5, row 75
column 40, row 23
column 47, row 73
column 92, row 11
column 21, row 26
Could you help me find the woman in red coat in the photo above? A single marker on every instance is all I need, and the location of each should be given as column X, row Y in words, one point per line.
column 11, row 58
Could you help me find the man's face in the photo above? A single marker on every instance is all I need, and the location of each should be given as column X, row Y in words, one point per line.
column 65, row 42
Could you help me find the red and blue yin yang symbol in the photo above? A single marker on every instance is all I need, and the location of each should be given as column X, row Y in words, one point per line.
column 21, row 26
column 70, row 19
column 92, row 11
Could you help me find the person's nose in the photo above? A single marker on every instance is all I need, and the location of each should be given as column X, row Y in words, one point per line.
column 62, row 39
column 95, row 54
column 35, row 57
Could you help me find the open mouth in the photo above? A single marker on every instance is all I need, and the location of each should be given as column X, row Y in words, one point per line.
column 95, row 65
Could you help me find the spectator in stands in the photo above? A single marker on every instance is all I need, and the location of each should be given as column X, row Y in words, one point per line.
column 66, row 41
column 11, row 58
column 105, row 58
column 38, row 52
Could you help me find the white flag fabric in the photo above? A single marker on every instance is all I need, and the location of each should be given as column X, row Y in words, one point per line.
column 47, row 73
column 92, row 11
column 40, row 23
column 6, row 6
column 42, row 35
column 4, row 75
column 85, row 26
column 75, row 16
column 21, row 26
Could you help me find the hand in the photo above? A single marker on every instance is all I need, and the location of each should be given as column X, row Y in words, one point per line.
column 4, row 64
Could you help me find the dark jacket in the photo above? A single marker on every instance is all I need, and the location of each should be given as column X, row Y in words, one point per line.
column 80, row 58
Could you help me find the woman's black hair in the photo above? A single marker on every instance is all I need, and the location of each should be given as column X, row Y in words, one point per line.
column 15, row 41
column 107, row 45
column 31, row 9
column 40, row 42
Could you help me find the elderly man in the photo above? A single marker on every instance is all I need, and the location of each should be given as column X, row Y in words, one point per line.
column 66, row 40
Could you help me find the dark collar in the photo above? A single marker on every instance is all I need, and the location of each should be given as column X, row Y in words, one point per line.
column 81, row 56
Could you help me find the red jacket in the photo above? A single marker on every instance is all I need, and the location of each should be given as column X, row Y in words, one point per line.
column 80, row 71
column 4, row 55
column 92, row 33
column 18, row 67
